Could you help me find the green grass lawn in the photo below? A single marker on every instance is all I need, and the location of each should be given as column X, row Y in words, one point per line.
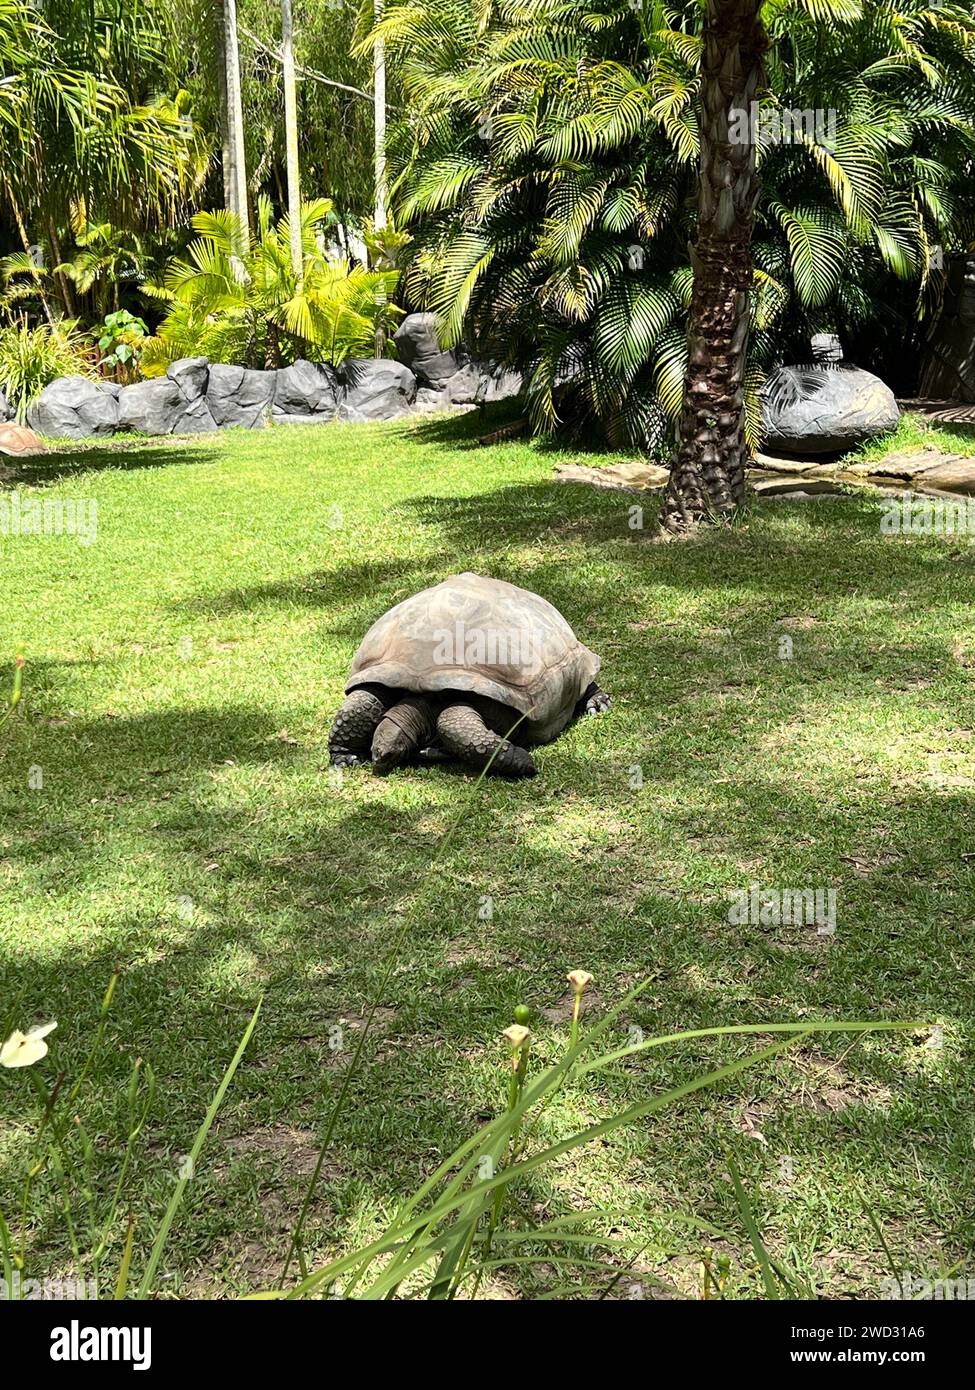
column 182, row 674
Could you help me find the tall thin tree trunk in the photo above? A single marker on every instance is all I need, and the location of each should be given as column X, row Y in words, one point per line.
column 26, row 243
column 291, row 136
column 226, row 149
column 235, row 108
column 379, row 112
column 379, row 108
column 60, row 279
column 707, row 480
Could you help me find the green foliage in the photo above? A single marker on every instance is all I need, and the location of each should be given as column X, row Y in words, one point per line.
column 469, row 1218
column 465, row 1223
column 335, row 117
column 235, row 298
column 63, row 1160
column 16, row 691
column 92, row 113
column 547, row 167
column 30, row 358
column 120, row 340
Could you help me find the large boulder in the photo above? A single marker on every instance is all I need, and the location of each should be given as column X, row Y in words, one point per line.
column 191, row 375
column 498, row 384
column 419, row 349
column 239, row 396
column 463, row 386
column 159, row 406
column 376, row 389
column 306, row 390
column 824, row 409
column 74, row 407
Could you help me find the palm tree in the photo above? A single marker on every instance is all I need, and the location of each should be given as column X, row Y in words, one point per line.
column 707, row 477
column 548, row 163
column 379, row 114
column 82, row 129
column 236, row 292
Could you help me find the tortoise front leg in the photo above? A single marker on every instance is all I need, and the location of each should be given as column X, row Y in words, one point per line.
column 352, row 728
column 464, row 733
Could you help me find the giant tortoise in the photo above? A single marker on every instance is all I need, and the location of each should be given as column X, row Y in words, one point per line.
column 473, row 668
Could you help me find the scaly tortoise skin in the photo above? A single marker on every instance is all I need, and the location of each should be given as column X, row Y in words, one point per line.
column 475, row 669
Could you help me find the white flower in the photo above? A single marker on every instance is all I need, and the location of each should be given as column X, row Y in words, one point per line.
column 24, row 1049
column 517, row 1036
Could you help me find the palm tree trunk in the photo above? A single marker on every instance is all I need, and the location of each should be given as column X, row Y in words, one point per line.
column 707, row 479
column 291, row 136
column 60, row 279
column 379, row 111
column 26, row 243
column 235, row 110
column 226, row 150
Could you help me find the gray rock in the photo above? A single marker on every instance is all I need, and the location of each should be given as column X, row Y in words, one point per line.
column 376, row 389
column 498, row 384
column 300, row 419
column 462, row 387
column 150, row 407
column 306, row 389
column 419, row 349
column 239, row 396
column 75, row 408
column 190, row 375
column 159, row 406
column 431, row 398
column 821, row 410
column 6, row 413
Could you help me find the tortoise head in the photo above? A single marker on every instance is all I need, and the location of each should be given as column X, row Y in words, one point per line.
column 404, row 729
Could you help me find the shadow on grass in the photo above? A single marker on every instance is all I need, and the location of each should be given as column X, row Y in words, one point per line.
column 299, row 888
column 312, row 911
column 124, row 455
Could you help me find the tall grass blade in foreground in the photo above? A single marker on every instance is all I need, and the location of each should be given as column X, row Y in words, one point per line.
column 159, row 1243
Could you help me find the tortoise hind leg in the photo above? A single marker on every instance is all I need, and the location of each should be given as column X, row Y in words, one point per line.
column 463, row 732
column 593, row 701
column 352, row 728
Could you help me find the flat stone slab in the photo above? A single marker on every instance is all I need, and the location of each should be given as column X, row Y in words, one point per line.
column 628, row 477
column 927, row 470
column 953, row 475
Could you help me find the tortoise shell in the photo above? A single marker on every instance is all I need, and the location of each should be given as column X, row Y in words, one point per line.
column 472, row 633
column 19, row 440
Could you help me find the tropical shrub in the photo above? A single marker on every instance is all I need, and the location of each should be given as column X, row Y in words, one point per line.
column 31, row 358
column 120, row 340
column 236, row 298
column 546, row 167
